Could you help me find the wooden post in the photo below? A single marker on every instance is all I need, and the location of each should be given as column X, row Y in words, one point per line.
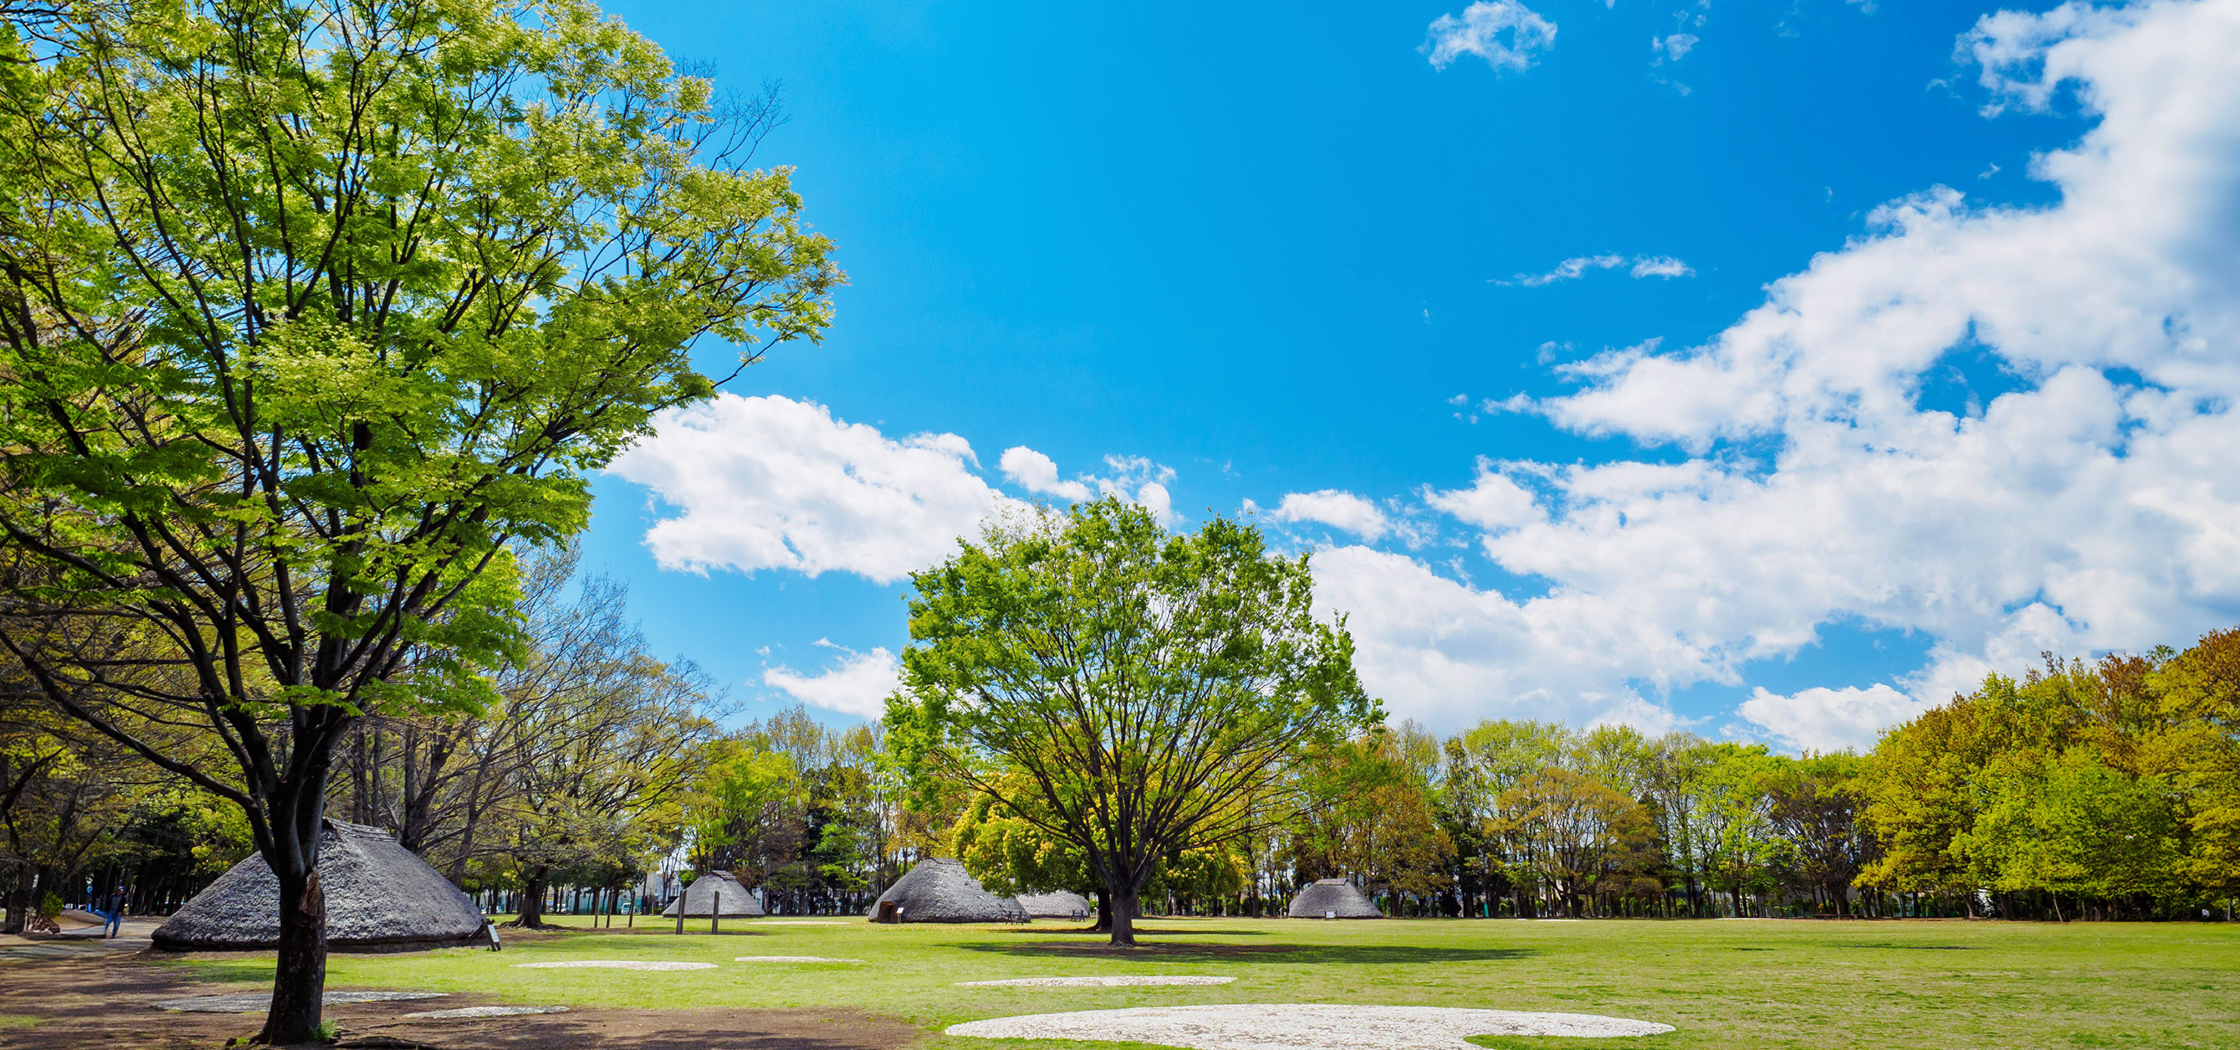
column 715, row 914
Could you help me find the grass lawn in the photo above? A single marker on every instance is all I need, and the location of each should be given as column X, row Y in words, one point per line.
column 1936, row 985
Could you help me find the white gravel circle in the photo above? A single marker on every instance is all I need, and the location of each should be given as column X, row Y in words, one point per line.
column 491, row 1011
column 1293, row 1026
column 1092, row 982
column 792, row 959
column 613, row 964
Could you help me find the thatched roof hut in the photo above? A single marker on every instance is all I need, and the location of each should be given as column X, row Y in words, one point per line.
column 1332, row 898
column 940, row 890
column 699, row 899
column 379, row 896
column 1064, row 904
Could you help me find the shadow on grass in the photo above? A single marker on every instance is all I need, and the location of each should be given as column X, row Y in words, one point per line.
column 1368, row 954
column 1914, row 947
column 1547, row 1042
column 1140, row 931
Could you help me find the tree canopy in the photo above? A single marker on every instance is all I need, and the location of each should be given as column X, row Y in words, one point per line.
column 1126, row 689
column 309, row 309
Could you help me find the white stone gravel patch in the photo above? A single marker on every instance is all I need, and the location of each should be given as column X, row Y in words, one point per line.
column 801, row 922
column 490, row 1011
column 1093, row 982
column 791, row 959
column 1296, row 1026
column 613, row 964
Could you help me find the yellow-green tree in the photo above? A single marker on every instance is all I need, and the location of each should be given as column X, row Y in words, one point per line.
column 2197, row 753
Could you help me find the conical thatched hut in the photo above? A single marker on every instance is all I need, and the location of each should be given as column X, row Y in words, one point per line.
column 700, row 898
column 940, row 890
column 379, row 896
column 1064, row 904
column 1332, row 898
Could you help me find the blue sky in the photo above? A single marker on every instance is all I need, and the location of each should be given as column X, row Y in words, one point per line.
column 1473, row 300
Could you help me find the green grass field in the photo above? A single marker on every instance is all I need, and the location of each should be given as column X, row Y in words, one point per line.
column 1723, row 984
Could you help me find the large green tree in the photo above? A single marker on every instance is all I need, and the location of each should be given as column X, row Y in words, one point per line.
column 309, row 309
column 1145, row 686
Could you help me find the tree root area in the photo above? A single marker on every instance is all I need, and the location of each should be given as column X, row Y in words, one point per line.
column 105, row 1003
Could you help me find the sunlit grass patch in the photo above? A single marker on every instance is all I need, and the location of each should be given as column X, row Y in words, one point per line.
column 1805, row 985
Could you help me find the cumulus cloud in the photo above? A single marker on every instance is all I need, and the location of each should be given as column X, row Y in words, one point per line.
column 1571, row 269
column 755, row 483
column 1505, row 33
column 1335, row 508
column 774, row 483
column 858, row 685
column 1038, row 473
column 1494, row 502
column 1820, row 719
column 1445, row 653
column 1798, row 474
column 1132, row 478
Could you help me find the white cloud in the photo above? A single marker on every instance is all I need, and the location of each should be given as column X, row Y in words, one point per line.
column 1796, row 477
column 1141, row 481
column 1036, row 472
column 1493, row 503
column 1503, row 32
column 1660, row 266
column 1675, row 47
column 1821, row 719
column 1570, row 269
column 1337, row 509
column 858, row 685
column 1132, row 478
column 773, row 483
column 1445, row 653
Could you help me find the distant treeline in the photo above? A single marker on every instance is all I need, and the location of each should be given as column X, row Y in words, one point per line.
column 2107, row 790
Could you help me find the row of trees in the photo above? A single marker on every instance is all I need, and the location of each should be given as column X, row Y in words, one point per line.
column 2102, row 790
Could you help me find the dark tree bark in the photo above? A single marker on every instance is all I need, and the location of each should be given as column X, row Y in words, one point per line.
column 1124, row 911
column 532, row 900
column 300, row 980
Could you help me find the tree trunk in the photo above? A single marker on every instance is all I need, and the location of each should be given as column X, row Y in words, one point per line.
column 532, row 900
column 1104, row 912
column 299, row 983
column 20, row 902
column 1124, row 918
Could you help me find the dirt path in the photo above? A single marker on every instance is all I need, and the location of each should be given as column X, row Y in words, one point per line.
column 103, row 1001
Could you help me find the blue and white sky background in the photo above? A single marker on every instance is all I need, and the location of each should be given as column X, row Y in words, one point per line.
column 1766, row 368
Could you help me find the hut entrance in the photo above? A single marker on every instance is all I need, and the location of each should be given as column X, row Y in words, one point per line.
column 889, row 912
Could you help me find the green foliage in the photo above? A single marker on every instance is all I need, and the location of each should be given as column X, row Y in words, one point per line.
column 809, row 812
column 1011, row 854
column 314, row 308
column 2104, row 782
column 1125, row 689
column 310, row 310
